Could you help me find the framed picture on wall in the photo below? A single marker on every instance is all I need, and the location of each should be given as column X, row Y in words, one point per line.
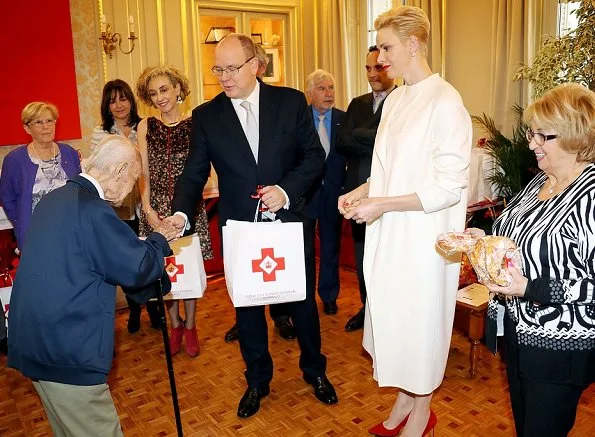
column 257, row 38
column 273, row 71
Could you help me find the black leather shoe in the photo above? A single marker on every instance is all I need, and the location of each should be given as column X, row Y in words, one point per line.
column 250, row 402
column 286, row 329
column 356, row 322
column 232, row 334
column 330, row 307
column 323, row 389
column 134, row 322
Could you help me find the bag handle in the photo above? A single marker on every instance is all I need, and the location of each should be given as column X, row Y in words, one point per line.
column 259, row 211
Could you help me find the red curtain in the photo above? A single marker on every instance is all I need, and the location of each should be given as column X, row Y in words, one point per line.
column 37, row 65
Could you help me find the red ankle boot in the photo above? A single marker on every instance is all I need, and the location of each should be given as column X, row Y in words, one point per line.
column 192, row 346
column 175, row 339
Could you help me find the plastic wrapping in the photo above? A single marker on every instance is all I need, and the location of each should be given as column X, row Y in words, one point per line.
column 489, row 255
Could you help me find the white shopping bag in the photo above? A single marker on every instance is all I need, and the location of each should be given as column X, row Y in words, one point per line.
column 264, row 262
column 5, row 293
column 186, row 269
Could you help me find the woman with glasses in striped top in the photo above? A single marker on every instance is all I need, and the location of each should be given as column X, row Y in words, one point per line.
column 549, row 317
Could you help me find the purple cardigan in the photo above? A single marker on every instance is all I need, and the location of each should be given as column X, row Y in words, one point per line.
column 16, row 185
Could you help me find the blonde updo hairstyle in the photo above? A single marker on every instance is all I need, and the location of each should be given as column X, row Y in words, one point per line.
column 405, row 22
column 568, row 109
column 175, row 77
column 34, row 109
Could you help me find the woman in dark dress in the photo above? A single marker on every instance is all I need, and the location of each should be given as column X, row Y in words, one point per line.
column 164, row 142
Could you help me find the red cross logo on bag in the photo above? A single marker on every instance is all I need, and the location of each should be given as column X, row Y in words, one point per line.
column 268, row 264
column 173, row 269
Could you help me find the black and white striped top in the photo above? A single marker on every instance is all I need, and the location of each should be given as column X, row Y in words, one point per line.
column 557, row 242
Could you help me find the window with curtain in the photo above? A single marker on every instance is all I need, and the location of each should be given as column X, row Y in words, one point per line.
column 567, row 20
column 375, row 8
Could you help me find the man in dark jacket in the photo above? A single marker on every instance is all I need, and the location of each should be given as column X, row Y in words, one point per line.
column 356, row 143
column 63, row 300
column 320, row 91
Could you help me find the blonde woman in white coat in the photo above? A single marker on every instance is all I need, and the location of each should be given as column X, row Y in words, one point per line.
column 417, row 189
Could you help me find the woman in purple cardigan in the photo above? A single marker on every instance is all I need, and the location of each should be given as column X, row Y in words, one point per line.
column 33, row 170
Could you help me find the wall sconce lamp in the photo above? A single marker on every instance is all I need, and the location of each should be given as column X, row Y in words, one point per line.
column 109, row 39
column 216, row 34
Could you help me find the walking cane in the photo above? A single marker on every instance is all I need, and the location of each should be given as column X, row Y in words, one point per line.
column 170, row 365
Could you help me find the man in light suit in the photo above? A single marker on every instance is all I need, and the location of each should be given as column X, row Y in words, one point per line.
column 256, row 134
column 356, row 143
column 320, row 91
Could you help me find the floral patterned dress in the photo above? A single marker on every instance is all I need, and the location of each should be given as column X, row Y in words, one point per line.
column 167, row 149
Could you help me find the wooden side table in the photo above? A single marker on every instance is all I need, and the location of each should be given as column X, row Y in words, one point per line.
column 473, row 300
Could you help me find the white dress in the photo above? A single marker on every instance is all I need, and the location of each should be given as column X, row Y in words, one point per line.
column 423, row 146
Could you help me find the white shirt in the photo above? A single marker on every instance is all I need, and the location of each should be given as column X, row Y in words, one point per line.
column 254, row 99
column 95, row 184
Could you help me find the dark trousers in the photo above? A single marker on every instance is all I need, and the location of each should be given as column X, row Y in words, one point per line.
column 542, row 409
column 544, row 406
column 279, row 312
column 324, row 208
column 358, row 232
column 252, row 327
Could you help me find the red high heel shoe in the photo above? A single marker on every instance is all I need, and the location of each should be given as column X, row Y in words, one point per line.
column 382, row 431
column 432, row 421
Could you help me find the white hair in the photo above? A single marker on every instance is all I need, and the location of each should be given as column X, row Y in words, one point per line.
column 111, row 151
column 317, row 76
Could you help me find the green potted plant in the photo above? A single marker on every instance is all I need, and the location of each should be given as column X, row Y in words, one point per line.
column 514, row 163
column 570, row 58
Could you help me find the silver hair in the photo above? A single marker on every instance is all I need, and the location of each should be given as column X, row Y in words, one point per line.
column 111, row 151
column 317, row 76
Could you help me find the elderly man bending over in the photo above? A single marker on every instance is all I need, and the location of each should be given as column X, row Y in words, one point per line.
column 62, row 307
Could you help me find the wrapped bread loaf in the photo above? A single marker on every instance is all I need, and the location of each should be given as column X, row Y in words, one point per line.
column 489, row 255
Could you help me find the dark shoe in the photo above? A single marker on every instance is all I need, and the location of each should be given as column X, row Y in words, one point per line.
column 154, row 316
column 286, row 329
column 232, row 334
column 133, row 322
column 250, row 402
column 323, row 389
column 330, row 307
column 356, row 322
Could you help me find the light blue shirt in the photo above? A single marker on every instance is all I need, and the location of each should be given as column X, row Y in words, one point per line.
column 327, row 120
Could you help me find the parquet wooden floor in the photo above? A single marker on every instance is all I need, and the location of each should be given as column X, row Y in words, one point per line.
column 211, row 385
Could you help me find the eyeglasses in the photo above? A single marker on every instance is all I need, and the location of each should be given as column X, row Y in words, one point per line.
column 218, row 71
column 40, row 123
column 540, row 138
